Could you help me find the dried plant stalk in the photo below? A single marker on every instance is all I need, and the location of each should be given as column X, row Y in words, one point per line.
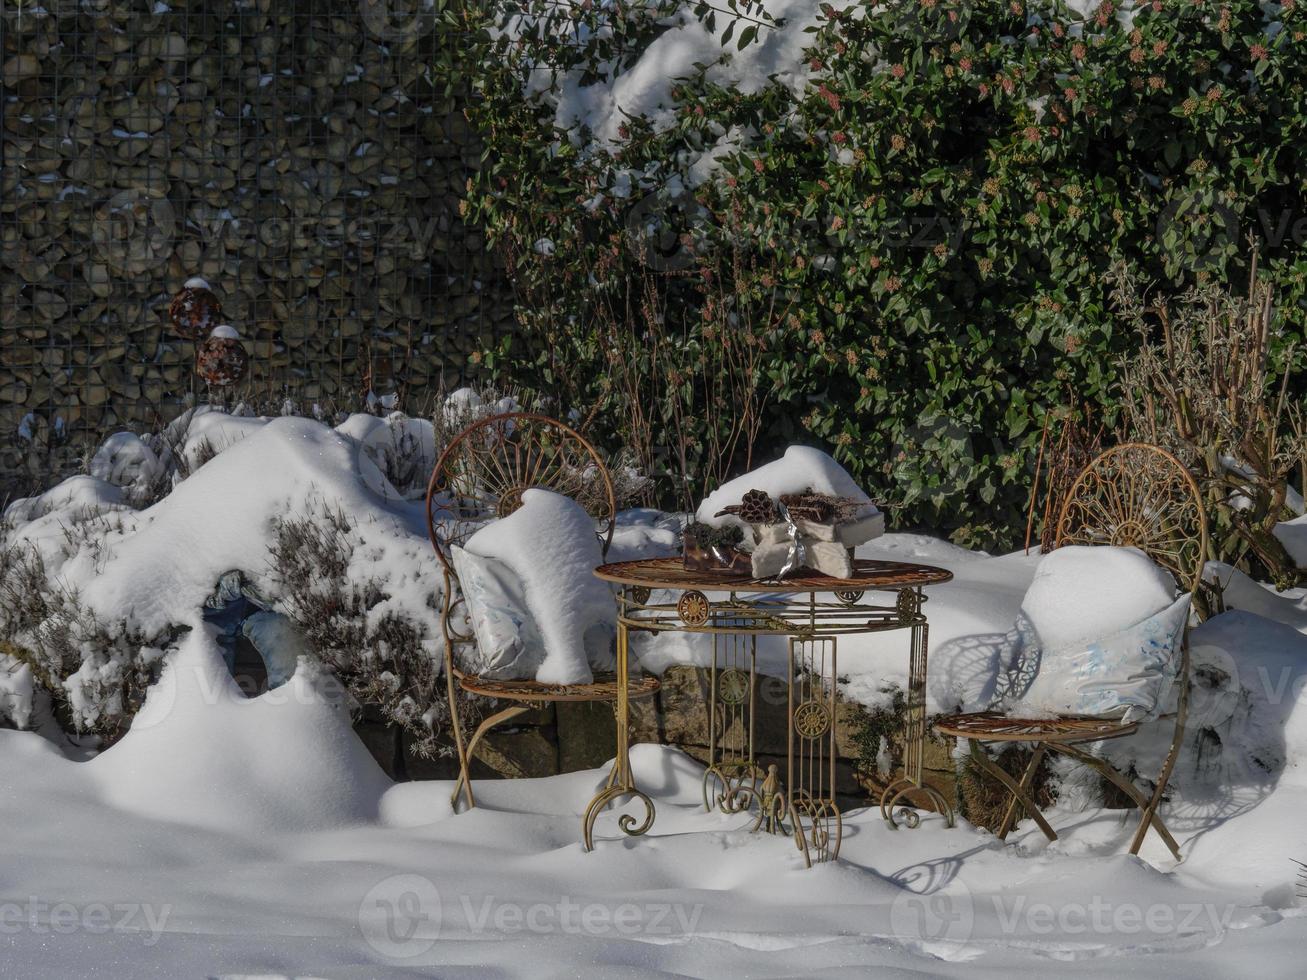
column 1202, row 385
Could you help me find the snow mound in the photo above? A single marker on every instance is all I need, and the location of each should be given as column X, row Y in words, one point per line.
column 199, row 752
column 801, row 468
column 76, row 498
column 209, row 432
column 1080, row 593
column 127, row 461
column 1293, row 535
column 159, row 569
column 550, row 544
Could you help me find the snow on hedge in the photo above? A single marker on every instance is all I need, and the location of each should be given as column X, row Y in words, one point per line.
column 131, row 581
column 758, row 44
column 156, row 571
column 645, row 88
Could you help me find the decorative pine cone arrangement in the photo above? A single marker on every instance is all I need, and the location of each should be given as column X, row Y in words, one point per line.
column 221, row 360
column 195, row 310
column 810, row 507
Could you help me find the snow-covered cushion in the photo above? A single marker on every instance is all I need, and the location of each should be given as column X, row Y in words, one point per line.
column 549, row 545
column 1125, row 673
column 1080, row 593
column 508, row 644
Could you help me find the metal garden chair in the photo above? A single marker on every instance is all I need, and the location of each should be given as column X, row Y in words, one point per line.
column 1132, row 495
column 481, row 477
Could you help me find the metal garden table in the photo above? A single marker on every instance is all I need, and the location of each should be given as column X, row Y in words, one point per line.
column 812, row 611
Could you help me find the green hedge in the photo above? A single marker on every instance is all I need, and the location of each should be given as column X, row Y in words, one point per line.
column 936, row 208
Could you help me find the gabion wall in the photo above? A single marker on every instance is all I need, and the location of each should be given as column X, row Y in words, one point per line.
column 293, row 152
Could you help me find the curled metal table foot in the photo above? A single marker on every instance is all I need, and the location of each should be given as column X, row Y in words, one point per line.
column 818, row 828
column 628, row 824
column 731, row 792
column 899, row 793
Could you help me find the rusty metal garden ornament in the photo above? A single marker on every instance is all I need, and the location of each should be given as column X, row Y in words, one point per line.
column 222, row 360
column 195, row 310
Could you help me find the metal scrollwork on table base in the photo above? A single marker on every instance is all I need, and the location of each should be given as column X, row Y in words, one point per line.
column 739, row 611
column 900, row 792
column 626, row 822
column 731, row 788
column 818, row 828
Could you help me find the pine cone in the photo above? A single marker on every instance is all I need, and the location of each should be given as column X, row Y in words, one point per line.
column 757, row 508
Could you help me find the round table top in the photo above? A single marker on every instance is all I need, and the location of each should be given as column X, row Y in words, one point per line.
column 670, row 573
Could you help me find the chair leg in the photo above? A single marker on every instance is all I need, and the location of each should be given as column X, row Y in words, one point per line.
column 1027, row 780
column 464, row 783
column 1149, row 817
column 1109, row 772
column 464, row 776
column 1018, row 792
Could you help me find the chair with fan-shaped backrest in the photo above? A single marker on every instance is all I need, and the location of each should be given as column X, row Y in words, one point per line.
column 1133, row 495
column 479, row 478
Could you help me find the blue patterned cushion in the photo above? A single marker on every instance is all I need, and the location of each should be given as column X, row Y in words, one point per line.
column 1127, row 673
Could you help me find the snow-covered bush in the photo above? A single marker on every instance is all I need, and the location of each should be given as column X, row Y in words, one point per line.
column 102, row 574
column 346, row 611
column 94, row 672
column 98, row 578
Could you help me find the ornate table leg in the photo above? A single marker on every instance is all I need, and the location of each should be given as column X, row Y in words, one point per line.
column 810, row 776
column 733, row 781
column 621, row 783
column 914, row 736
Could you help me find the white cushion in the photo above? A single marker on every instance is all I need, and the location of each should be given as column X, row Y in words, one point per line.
column 549, row 543
column 538, row 610
column 508, row 642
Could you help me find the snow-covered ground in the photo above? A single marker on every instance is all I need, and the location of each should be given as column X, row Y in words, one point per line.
column 354, row 878
column 225, row 836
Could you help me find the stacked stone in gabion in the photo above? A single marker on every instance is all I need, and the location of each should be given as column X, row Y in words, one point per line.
column 195, row 310
column 221, row 360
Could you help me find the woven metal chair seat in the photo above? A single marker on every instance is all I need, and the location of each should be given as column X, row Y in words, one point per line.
column 603, row 688
column 991, row 726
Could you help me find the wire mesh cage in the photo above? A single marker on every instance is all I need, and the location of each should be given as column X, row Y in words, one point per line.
column 298, row 155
